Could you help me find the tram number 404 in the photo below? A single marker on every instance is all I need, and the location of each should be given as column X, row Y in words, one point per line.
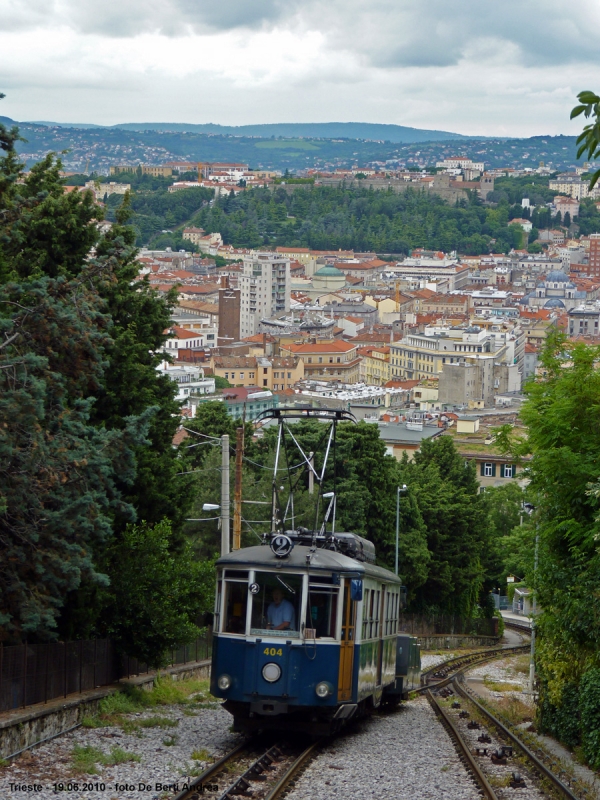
column 272, row 651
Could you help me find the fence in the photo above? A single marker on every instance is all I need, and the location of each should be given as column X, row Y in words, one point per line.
column 36, row 673
column 439, row 624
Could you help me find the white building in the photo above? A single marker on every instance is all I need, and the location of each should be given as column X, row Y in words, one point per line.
column 190, row 379
column 265, row 289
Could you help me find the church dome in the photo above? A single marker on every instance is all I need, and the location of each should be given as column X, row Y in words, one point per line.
column 557, row 277
column 554, row 302
column 328, row 272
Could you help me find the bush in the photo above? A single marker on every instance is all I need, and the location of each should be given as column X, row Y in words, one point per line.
column 161, row 593
column 561, row 721
column 589, row 707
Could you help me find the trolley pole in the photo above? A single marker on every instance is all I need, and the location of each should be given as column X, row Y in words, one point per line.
column 224, row 494
column 237, row 501
column 311, row 477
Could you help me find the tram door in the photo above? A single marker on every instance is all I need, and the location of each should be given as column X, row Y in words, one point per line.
column 347, row 645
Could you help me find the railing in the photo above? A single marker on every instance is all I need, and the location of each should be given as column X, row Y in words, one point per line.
column 37, row 673
column 449, row 624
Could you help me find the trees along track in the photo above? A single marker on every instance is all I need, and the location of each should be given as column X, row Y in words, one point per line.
column 451, row 673
column 267, row 775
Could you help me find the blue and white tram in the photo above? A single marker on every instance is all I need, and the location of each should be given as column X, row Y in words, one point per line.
column 308, row 639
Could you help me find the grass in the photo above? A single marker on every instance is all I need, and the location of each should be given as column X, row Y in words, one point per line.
column 170, row 741
column 87, row 759
column 114, row 709
column 515, row 710
column 502, row 686
column 521, row 664
column 3, row 763
column 201, row 755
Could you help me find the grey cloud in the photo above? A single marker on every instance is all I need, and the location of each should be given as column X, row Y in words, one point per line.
column 382, row 33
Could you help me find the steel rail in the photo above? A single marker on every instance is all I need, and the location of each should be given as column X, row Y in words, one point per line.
column 277, row 790
column 472, row 765
column 460, row 663
column 530, row 755
column 211, row 771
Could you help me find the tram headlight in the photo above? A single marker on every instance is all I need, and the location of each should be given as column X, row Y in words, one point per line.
column 224, row 682
column 323, row 689
column 271, row 672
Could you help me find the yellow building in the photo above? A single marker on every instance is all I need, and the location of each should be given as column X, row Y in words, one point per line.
column 376, row 366
column 327, row 361
column 266, row 372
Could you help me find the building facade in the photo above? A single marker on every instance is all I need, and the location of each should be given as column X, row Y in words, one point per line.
column 265, row 289
column 327, row 361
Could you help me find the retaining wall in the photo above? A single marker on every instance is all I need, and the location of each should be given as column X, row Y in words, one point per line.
column 22, row 728
column 455, row 641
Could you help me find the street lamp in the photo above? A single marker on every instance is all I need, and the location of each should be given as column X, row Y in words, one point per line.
column 403, row 488
column 331, row 497
column 206, row 507
column 530, row 508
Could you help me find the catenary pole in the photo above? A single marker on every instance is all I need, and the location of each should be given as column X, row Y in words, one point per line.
column 237, row 500
column 224, row 494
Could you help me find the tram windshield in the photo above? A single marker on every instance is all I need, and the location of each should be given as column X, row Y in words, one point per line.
column 276, row 604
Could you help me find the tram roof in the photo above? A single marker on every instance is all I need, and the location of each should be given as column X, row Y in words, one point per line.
column 322, row 559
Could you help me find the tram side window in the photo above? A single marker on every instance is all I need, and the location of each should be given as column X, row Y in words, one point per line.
column 321, row 611
column 236, row 603
column 365, row 620
column 376, row 613
column 391, row 614
column 276, row 604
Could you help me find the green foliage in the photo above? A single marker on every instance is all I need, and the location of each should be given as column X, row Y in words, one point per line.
column 454, row 515
column 157, row 594
column 154, row 209
column 588, row 140
column 58, row 472
column 86, row 422
column 359, row 218
column 221, row 383
column 589, row 706
column 562, row 414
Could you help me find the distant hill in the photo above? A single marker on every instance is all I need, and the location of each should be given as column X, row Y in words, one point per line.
column 294, row 130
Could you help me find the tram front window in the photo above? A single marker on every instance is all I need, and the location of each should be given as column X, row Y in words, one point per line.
column 321, row 611
column 236, row 603
column 276, row 604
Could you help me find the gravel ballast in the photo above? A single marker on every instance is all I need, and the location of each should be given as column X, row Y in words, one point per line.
column 406, row 756
column 159, row 763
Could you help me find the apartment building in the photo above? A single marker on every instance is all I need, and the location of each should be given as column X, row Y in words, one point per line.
column 265, row 289
column 275, row 373
column 376, row 366
column 423, row 355
column 594, row 257
column 333, row 360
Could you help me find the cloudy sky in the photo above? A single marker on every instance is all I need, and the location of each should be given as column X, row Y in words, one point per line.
column 491, row 67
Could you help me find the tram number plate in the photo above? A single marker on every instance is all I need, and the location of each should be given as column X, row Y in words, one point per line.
column 272, row 651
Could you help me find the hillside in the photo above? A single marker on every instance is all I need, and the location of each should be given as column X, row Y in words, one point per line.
column 292, row 130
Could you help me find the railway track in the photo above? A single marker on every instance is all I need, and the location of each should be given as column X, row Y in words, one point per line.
column 263, row 772
column 496, row 757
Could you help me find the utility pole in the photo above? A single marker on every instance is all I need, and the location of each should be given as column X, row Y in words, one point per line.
column 399, row 489
column 224, row 494
column 533, row 613
column 237, row 500
column 311, row 475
